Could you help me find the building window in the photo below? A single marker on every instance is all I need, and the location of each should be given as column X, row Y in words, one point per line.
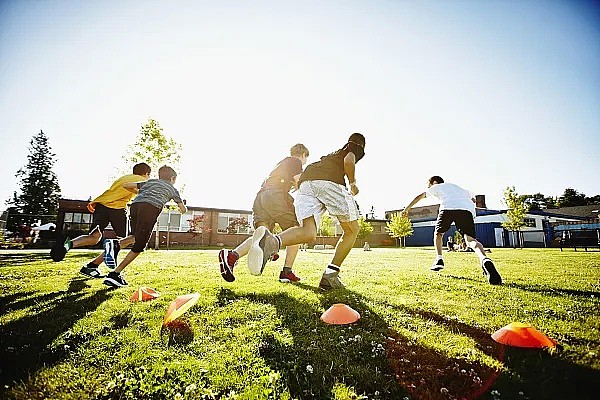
column 169, row 220
column 188, row 217
column 234, row 223
column 529, row 222
column 77, row 222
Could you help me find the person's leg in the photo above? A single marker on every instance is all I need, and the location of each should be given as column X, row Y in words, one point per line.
column 346, row 242
column 90, row 239
column 476, row 246
column 442, row 224
column 466, row 225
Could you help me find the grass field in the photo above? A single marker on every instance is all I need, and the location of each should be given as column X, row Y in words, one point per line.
column 422, row 335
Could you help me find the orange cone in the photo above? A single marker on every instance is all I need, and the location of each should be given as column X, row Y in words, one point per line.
column 522, row 335
column 340, row 314
column 180, row 305
column 144, row 294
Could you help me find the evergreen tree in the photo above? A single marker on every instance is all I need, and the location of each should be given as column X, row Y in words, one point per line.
column 39, row 188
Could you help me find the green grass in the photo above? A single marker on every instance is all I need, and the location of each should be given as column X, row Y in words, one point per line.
column 422, row 335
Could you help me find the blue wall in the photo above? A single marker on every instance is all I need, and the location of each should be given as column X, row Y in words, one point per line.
column 423, row 235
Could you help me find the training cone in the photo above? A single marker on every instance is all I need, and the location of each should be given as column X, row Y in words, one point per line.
column 144, row 294
column 340, row 314
column 522, row 335
column 180, row 305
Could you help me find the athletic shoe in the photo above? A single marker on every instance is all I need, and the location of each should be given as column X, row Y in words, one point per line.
column 111, row 251
column 227, row 261
column 264, row 246
column 489, row 270
column 331, row 281
column 60, row 248
column 91, row 271
column 114, row 279
column 438, row 265
column 287, row 277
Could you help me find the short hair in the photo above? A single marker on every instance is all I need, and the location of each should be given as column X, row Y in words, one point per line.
column 357, row 138
column 141, row 169
column 298, row 150
column 166, row 173
column 435, row 178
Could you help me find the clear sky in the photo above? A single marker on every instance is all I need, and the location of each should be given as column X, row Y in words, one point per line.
column 487, row 94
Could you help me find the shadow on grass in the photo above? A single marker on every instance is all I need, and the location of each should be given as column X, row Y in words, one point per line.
column 26, row 257
column 551, row 291
column 319, row 355
column 25, row 343
column 533, row 373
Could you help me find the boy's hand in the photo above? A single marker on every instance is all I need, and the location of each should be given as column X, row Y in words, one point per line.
column 353, row 189
column 91, row 206
column 405, row 214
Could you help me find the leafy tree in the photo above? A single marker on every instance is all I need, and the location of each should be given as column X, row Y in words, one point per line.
column 154, row 148
column 327, row 228
column 593, row 200
column 572, row 197
column 364, row 228
column 399, row 227
column 39, row 188
column 540, row 202
column 517, row 209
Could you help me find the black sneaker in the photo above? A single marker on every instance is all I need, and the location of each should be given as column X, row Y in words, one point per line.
column 438, row 265
column 91, row 271
column 489, row 270
column 111, row 251
column 227, row 261
column 114, row 279
column 59, row 250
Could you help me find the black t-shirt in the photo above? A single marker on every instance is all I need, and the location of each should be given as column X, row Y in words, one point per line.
column 331, row 166
column 282, row 177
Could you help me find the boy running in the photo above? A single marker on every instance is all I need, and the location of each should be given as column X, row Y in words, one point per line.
column 272, row 204
column 322, row 187
column 145, row 209
column 458, row 206
column 109, row 207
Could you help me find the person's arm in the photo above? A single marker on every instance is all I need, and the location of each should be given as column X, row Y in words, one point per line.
column 296, row 179
column 349, row 170
column 182, row 208
column 131, row 186
column 412, row 203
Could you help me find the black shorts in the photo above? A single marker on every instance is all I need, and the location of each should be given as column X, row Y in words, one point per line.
column 143, row 218
column 463, row 220
column 274, row 206
column 116, row 216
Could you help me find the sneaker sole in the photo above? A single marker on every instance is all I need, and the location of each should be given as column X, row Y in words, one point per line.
column 437, row 268
column 492, row 274
column 226, row 273
column 256, row 254
column 92, row 276
column 112, row 283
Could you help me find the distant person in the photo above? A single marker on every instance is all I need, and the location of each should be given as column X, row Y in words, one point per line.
column 152, row 196
column 458, row 206
column 450, row 244
column 109, row 207
column 273, row 204
column 322, row 187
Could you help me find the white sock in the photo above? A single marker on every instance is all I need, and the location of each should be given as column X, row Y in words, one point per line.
column 438, row 258
column 331, row 269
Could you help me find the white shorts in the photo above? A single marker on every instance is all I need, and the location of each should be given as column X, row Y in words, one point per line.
column 314, row 197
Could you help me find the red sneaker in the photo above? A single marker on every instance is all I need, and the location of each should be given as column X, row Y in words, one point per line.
column 288, row 277
column 227, row 261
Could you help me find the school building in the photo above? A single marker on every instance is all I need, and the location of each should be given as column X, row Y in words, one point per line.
column 228, row 227
column 537, row 232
